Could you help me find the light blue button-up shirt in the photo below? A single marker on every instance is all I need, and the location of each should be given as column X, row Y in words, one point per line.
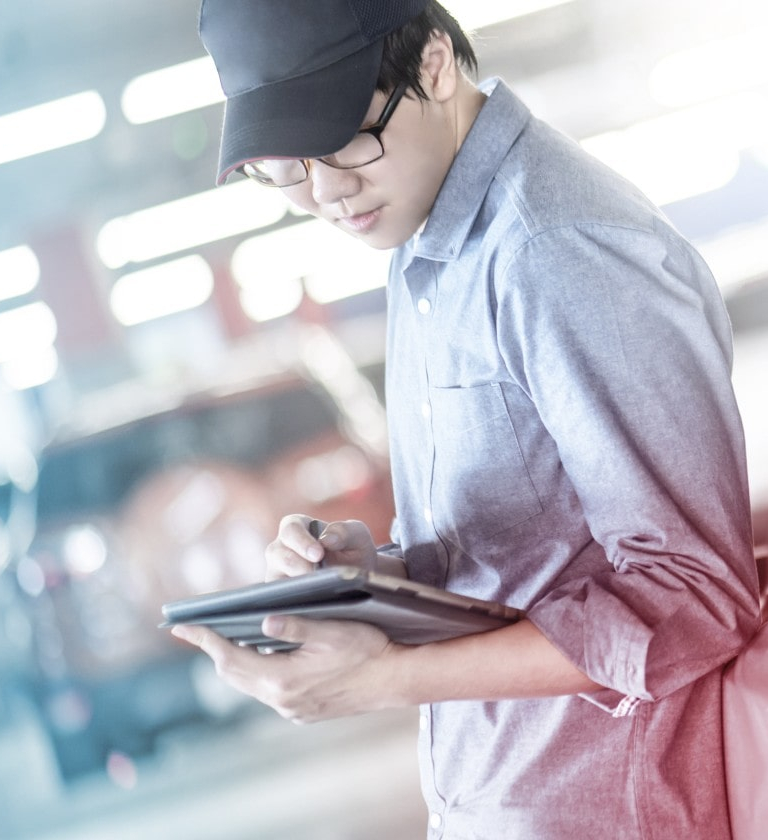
column 564, row 438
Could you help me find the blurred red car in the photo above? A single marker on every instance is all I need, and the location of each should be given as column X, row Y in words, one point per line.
column 171, row 504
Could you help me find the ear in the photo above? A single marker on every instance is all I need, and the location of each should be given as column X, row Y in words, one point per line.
column 439, row 71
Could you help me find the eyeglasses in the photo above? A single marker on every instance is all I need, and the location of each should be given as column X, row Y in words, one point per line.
column 365, row 147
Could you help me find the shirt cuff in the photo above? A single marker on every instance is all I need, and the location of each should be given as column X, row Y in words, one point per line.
column 615, row 703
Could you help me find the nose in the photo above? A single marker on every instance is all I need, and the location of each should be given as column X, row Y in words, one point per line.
column 330, row 185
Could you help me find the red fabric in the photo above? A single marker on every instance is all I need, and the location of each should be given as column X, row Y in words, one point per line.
column 745, row 712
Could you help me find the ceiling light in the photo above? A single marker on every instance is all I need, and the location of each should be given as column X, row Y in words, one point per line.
column 32, row 370
column 19, row 271
column 188, row 222
column 172, row 90
column 332, row 264
column 26, row 330
column 710, row 70
column 687, row 152
column 52, row 125
column 475, row 14
column 737, row 256
column 161, row 290
column 268, row 300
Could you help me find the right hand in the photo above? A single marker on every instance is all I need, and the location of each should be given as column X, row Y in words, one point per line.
column 296, row 552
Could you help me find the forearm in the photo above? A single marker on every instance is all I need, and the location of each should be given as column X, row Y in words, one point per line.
column 514, row 662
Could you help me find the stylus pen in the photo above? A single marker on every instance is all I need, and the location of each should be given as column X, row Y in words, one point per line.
column 315, row 529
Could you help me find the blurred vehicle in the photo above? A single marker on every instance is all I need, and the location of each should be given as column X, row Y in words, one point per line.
column 167, row 505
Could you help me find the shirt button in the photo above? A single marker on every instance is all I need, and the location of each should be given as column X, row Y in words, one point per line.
column 435, row 820
column 424, row 306
column 426, row 410
column 423, row 723
column 428, row 515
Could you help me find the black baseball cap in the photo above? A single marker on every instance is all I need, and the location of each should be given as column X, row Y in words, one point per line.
column 299, row 75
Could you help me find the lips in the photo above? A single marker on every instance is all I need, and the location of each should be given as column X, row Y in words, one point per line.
column 361, row 222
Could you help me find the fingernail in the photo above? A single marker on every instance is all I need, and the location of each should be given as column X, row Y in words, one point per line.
column 273, row 625
column 331, row 540
column 315, row 553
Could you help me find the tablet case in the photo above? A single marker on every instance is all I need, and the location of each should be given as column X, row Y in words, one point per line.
column 408, row 612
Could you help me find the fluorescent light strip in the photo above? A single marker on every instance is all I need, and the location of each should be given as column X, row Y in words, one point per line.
column 710, row 70
column 32, row 370
column 188, row 222
column 162, row 290
column 26, row 331
column 332, row 264
column 687, row 152
column 738, row 256
column 19, row 272
column 53, row 125
column 172, row 90
column 475, row 14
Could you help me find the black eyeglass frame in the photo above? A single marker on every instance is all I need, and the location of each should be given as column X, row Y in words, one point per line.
column 374, row 130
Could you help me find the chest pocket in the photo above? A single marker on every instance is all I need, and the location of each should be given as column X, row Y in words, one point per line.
column 480, row 483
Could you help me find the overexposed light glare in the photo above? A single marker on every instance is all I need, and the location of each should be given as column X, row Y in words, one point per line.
column 61, row 122
column 161, row 290
column 26, row 331
column 285, row 254
column 475, row 14
column 31, row 370
column 269, row 267
column 332, row 264
column 188, row 222
column 30, row 577
column 21, row 466
column 356, row 272
column 687, row 152
column 122, row 770
column 171, row 90
column 738, row 255
column 84, row 549
column 711, row 70
column 329, row 361
column 270, row 299
column 19, row 271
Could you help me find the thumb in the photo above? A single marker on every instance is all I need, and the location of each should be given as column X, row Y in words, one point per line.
column 204, row 638
column 286, row 628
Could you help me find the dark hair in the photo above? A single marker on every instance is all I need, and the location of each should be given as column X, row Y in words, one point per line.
column 401, row 61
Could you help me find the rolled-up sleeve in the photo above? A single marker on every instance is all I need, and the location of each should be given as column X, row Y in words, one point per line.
column 621, row 340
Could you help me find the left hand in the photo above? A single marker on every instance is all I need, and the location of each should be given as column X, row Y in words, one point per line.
column 340, row 669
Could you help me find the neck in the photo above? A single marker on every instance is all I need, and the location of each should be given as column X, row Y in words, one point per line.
column 469, row 101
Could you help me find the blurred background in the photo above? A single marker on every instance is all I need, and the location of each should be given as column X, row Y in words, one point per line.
column 181, row 365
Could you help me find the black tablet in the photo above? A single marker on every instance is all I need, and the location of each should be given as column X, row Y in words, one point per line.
column 408, row 612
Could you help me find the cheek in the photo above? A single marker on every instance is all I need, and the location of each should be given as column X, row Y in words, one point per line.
column 301, row 197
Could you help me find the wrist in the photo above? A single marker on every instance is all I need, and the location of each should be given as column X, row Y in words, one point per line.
column 389, row 564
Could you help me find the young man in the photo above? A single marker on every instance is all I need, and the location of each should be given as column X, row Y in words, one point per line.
column 564, row 437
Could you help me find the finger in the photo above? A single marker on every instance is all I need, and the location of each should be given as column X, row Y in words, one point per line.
column 284, row 562
column 235, row 665
column 316, row 635
column 348, row 542
column 295, row 534
column 299, row 631
column 204, row 638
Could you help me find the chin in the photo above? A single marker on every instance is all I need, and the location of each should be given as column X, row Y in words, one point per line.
column 383, row 240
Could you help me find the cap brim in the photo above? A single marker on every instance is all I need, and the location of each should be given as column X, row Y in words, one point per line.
column 309, row 116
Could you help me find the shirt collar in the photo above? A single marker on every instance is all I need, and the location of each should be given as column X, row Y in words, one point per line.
column 471, row 173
